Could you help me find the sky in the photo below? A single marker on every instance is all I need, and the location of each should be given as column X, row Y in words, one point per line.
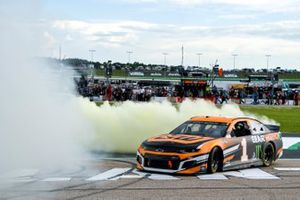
column 149, row 28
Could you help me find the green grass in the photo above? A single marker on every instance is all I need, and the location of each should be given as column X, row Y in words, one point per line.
column 117, row 72
column 288, row 117
column 294, row 75
column 121, row 73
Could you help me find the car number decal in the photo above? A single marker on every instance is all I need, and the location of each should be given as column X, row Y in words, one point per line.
column 244, row 150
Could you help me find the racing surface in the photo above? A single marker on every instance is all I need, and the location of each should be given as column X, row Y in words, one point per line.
column 116, row 178
column 113, row 176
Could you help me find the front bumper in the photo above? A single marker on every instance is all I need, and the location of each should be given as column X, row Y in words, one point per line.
column 190, row 165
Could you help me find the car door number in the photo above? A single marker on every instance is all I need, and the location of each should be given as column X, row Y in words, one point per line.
column 244, row 150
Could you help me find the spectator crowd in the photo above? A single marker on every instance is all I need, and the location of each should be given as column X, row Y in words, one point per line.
column 121, row 91
column 265, row 95
column 127, row 90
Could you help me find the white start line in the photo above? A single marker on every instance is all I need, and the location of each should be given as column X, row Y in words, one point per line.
column 30, row 175
column 107, row 175
column 255, row 173
column 287, row 168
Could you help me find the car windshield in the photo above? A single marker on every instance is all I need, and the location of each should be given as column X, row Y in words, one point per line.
column 207, row 129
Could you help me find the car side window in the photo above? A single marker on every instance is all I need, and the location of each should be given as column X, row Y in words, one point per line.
column 240, row 129
column 257, row 127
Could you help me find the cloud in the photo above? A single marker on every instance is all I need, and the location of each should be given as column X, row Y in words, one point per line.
column 237, row 16
column 69, row 37
column 50, row 40
column 112, row 32
column 261, row 5
column 289, row 29
column 141, row 1
column 148, row 40
column 236, row 2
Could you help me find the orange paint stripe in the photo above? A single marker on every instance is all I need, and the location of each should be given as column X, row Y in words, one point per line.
column 228, row 158
column 181, row 156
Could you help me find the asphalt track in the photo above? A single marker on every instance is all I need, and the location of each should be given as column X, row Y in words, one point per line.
column 116, row 178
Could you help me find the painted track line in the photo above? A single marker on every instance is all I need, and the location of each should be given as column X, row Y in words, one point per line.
column 287, row 168
column 56, row 179
column 108, row 175
column 154, row 176
column 216, row 176
column 20, row 173
column 131, row 173
column 255, row 173
column 290, row 141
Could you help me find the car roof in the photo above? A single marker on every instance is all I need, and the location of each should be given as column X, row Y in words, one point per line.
column 220, row 119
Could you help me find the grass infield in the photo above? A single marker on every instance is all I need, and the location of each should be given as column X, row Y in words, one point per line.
column 288, row 117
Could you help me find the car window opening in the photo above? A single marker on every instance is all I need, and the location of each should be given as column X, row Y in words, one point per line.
column 241, row 129
column 206, row 129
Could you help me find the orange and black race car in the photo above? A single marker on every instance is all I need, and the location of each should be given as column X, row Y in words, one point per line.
column 211, row 144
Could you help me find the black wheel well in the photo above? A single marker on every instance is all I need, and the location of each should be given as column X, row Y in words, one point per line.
column 220, row 151
column 269, row 162
column 275, row 151
column 274, row 146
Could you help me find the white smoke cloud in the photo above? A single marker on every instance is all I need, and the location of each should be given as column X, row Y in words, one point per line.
column 121, row 128
column 41, row 125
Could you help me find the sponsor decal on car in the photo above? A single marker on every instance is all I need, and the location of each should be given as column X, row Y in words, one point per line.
column 258, row 151
column 258, row 138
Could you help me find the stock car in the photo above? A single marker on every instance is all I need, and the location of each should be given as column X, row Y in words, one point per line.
column 209, row 144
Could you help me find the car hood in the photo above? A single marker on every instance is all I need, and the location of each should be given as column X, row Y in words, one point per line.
column 175, row 143
column 179, row 138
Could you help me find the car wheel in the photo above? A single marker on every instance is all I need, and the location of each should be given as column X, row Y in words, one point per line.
column 268, row 155
column 215, row 161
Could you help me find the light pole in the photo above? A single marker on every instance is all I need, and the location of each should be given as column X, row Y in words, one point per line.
column 268, row 56
column 182, row 55
column 234, row 55
column 129, row 54
column 199, row 58
column 268, row 59
column 59, row 53
column 165, row 58
column 92, row 51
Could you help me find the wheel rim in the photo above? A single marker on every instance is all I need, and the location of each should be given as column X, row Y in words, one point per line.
column 215, row 162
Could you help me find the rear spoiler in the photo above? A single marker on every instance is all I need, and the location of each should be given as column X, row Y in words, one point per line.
column 273, row 128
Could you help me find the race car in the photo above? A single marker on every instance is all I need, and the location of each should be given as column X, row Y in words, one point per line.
column 209, row 144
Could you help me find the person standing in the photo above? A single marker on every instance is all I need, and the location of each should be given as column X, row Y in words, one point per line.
column 109, row 93
column 296, row 98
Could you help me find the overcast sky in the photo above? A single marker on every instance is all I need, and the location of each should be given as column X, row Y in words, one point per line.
column 216, row 28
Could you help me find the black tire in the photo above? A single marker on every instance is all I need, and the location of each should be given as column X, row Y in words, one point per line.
column 215, row 161
column 268, row 155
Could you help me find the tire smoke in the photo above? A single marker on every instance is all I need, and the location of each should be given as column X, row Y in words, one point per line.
column 121, row 128
column 41, row 125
